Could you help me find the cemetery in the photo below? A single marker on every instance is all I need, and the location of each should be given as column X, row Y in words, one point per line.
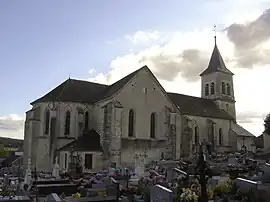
column 233, row 177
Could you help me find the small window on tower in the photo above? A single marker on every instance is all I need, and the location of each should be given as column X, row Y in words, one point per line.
column 228, row 89
column 227, row 107
column 206, row 90
column 223, row 88
column 212, row 88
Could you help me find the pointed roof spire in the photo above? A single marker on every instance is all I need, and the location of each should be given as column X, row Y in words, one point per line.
column 216, row 63
column 215, row 36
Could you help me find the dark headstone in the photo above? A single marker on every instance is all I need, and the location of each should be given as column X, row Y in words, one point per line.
column 53, row 198
column 159, row 193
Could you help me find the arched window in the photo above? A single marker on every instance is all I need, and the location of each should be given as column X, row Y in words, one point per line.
column 86, row 120
column 47, row 122
column 196, row 135
column 206, row 90
column 67, row 123
column 131, row 123
column 212, row 90
column 220, row 137
column 228, row 89
column 223, row 88
column 153, row 125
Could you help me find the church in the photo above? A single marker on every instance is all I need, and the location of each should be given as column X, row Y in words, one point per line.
column 132, row 120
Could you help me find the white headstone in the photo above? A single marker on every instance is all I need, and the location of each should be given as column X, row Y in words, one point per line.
column 56, row 168
column 28, row 174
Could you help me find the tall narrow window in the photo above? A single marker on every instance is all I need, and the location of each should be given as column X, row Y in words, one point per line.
column 228, row 89
column 212, row 88
column 86, row 120
column 131, row 123
column 67, row 123
column 153, row 125
column 196, row 135
column 206, row 90
column 65, row 161
column 220, row 137
column 227, row 107
column 88, row 161
column 47, row 122
column 223, row 88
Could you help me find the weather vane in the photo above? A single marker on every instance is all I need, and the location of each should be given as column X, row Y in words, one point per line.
column 215, row 33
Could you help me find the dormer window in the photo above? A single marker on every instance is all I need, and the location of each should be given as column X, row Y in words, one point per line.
column 228, row 89
column 223, row 88
column 206, row 90
column 212, row 88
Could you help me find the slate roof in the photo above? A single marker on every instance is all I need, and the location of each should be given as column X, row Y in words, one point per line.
column 196, row 106
column 240, row 131
column 75, row 91
column 216, row 64
column 89, row 141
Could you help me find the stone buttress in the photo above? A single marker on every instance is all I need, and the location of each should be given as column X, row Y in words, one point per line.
column 112, row 133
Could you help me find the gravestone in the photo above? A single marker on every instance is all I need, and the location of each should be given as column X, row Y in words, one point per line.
column 113, row 188
column 232, row 161
column 28, row 173
column 159, row 193
column 245, row 185
column 55, row 172
column 53, row 198
column 6, row 179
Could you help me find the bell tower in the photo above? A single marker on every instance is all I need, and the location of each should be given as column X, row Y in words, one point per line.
column 217, row 83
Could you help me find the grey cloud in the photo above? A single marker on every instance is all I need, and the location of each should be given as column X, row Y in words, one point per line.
column 190, row 63
column 248, row 116
column 11, row 125
column 247, row 39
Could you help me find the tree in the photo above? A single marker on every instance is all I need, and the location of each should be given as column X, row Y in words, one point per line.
column 267, row 124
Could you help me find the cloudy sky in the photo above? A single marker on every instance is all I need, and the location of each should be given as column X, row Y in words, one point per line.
column 43, row 42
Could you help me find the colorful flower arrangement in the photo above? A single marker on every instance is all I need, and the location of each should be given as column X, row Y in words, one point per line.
column 188, row 195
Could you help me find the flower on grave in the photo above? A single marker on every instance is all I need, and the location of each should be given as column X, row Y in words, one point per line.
column 76, row 195
column 188, row 195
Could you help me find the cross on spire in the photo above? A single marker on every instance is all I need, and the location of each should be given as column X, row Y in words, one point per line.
column 215, row 34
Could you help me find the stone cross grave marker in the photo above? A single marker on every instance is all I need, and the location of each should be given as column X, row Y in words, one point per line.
column 159, row 193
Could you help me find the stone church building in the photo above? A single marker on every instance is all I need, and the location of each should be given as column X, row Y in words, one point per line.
column 131, row 120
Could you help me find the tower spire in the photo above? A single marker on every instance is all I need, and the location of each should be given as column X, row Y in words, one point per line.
column 215, row 34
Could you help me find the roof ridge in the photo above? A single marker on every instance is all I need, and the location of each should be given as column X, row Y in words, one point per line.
column 191, row 96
